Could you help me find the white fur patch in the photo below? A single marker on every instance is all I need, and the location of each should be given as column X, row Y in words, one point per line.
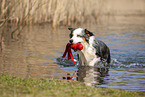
column 87, row 56
column 75, row 37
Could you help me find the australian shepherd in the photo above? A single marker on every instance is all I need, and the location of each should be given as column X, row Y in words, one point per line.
column 93, row 51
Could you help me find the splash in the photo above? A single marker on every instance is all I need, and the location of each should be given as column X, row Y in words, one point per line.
column 117, row 64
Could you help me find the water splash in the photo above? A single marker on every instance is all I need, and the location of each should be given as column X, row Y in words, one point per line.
column 117, row 64
column 64, row 62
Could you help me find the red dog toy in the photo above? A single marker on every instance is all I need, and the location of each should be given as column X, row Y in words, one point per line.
column 77, row 46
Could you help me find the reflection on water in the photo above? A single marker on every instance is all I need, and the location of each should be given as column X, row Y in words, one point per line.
column 37, row 53
column 34, row 54
column 92, row 76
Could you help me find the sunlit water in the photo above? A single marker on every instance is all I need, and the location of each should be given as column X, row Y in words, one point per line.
column 37, row 53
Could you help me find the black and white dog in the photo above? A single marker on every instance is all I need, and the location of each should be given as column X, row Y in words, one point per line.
column 93, row 50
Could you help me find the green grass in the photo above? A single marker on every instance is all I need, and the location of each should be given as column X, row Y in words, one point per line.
column 22, row 87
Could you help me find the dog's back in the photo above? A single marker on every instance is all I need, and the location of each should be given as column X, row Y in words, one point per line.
column 102, row 50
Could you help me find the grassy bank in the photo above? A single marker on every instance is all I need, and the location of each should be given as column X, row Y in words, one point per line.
column 16, row 87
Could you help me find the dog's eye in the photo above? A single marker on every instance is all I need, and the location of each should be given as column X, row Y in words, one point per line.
column 79, row 36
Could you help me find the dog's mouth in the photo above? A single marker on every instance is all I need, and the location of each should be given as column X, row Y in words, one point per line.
column 77, row 46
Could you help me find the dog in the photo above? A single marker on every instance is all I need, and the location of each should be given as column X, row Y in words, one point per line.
column 93, row 51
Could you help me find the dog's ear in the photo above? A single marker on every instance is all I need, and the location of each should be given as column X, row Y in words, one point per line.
column 88, row 33
column 71, row 29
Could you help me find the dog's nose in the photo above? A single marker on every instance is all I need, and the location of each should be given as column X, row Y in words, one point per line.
column 71, row 41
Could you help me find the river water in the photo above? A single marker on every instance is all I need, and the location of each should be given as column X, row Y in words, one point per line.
column 37, row 53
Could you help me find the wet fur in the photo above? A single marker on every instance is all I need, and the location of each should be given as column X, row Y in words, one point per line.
column 93, row 50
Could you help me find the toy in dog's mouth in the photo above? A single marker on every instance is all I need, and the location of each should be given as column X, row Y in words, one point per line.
column 75, row 47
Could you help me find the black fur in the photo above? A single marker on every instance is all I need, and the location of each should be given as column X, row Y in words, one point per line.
column 102, row 50
column 87, row 34
column 71, row 34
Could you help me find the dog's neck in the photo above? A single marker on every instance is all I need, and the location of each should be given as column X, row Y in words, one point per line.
column 87, row 55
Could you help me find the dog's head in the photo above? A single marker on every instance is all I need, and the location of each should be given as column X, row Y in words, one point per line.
column 79, row 35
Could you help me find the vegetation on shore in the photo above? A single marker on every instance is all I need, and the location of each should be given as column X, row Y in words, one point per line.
column 65, row 12
column 16, row 87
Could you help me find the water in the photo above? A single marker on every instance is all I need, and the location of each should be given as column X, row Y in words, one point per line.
column 37, row 53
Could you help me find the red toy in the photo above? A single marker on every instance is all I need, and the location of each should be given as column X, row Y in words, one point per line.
column 77, row 46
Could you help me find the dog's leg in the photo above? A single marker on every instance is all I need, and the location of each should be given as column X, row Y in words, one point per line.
column 94, row 61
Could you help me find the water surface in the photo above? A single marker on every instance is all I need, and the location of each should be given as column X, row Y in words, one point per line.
column 37, row 53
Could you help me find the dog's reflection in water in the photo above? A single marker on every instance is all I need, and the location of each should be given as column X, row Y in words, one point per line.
column 91, row 76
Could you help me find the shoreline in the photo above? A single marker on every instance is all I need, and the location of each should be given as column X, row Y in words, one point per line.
column 15, row 86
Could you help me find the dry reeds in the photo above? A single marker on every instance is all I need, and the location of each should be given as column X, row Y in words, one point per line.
column 57, row 12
